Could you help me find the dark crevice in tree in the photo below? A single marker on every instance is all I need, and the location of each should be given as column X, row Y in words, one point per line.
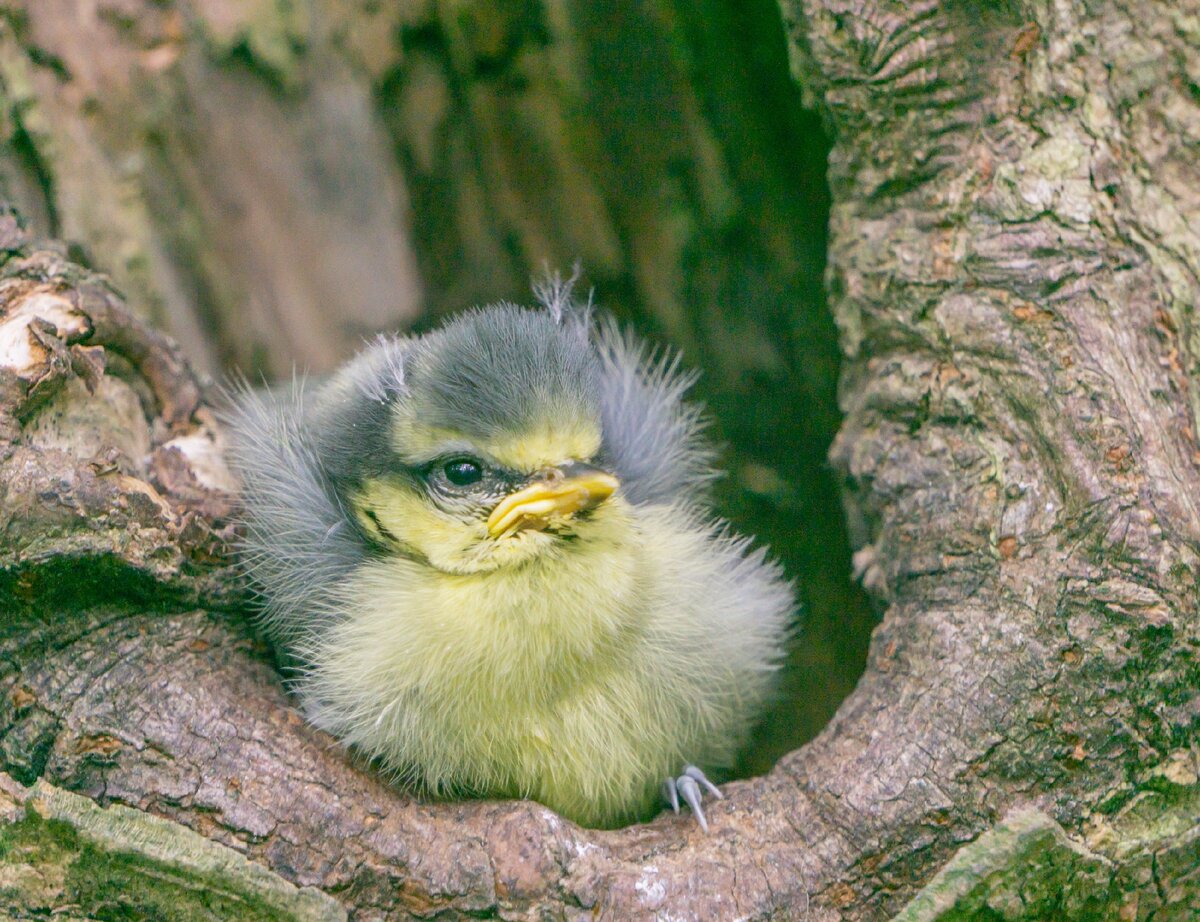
column 711, row 189
column 242, row 56
column 72, row 582
column 30, row 160
column 180, row 228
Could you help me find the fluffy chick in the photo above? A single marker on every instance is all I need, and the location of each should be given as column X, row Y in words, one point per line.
column 486, row 554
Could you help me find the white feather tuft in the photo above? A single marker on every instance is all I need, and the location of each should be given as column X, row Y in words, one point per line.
column 556, row 295
column 388, row 379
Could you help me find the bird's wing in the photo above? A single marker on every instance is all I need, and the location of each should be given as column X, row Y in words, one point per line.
column 654, row 438
column 297, row 542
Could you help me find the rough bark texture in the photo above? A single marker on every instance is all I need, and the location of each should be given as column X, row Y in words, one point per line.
column 1013, row 269
column 1014, row 263
column 248, row 211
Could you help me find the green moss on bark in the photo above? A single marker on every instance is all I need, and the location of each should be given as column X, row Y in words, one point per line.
column 120, row 864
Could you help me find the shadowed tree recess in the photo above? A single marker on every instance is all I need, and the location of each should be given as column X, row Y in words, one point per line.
column 1013, row 269
column 270, row 183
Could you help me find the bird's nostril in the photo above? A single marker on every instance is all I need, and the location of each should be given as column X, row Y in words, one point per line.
column 553, row 476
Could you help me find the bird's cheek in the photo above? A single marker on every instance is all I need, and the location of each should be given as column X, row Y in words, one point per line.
column 411, row 525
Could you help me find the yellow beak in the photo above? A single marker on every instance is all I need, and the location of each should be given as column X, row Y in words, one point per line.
column 557, row 496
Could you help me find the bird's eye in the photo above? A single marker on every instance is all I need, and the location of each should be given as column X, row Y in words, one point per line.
column 462, row 472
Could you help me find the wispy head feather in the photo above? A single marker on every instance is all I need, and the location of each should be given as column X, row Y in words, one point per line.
column 388, row 380
column 557, row 296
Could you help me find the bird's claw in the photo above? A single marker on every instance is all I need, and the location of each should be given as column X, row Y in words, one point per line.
column 688, row 786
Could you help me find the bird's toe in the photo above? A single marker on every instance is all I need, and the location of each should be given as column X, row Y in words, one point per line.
column 691, row 786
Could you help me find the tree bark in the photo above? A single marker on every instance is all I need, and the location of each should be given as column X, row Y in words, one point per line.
column 1013, row 269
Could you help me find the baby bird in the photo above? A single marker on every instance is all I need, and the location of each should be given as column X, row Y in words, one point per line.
column 486, row 555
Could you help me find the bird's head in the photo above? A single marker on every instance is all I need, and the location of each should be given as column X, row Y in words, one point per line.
column 478, row 446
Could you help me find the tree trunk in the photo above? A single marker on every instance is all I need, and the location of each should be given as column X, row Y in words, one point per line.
column 1013, row 264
